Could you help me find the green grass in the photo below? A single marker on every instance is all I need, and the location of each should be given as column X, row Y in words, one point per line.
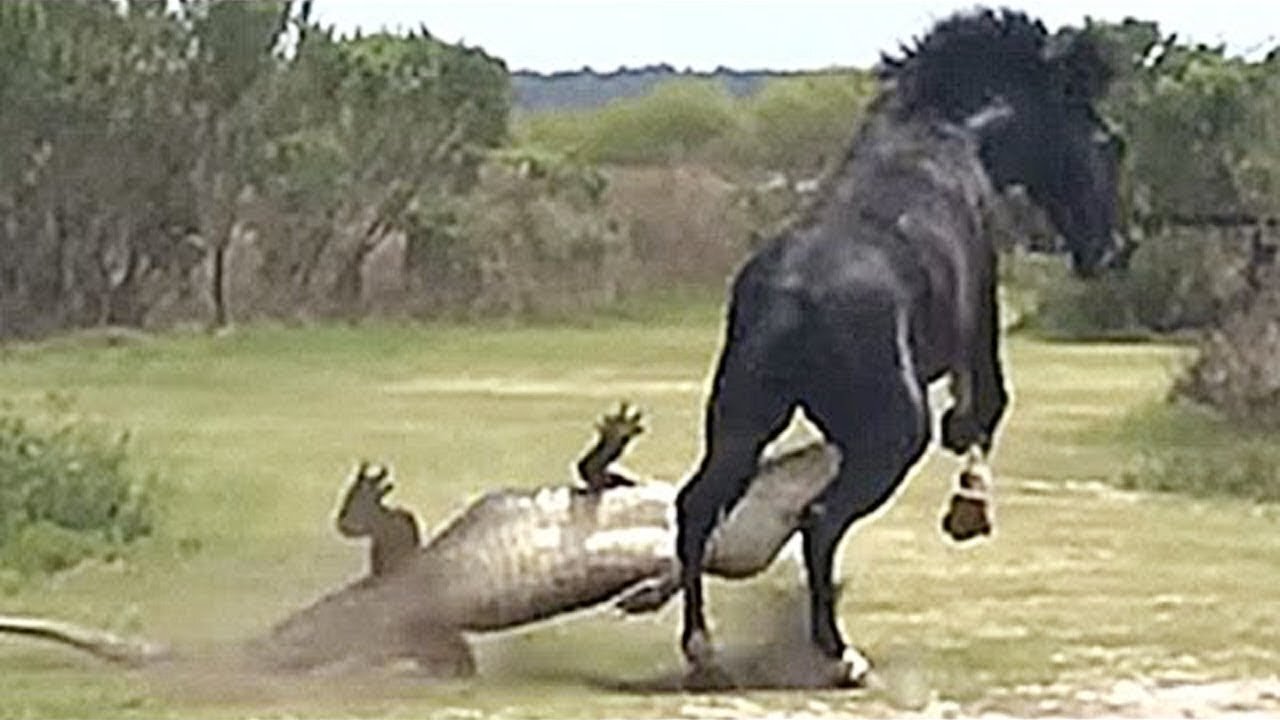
column 256, row 433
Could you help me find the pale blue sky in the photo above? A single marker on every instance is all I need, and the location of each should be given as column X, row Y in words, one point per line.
column 746, row 34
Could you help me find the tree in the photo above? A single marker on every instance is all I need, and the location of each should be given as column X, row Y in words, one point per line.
column 1217, row 111
column 232, row 70
column 380, row 125
column 138, row 139
column 94, row 214
column 801, row 124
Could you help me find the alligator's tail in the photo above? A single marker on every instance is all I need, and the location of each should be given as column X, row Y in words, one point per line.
column 99, row 643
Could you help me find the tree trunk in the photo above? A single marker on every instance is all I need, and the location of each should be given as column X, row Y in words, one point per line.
column 126, row 307
column 349, row 285
column 218, row 286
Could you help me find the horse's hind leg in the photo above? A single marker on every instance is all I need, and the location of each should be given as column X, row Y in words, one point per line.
column 747, row 408
column 871, row 402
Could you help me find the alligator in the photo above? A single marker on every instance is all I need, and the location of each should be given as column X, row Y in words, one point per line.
column 510, row 558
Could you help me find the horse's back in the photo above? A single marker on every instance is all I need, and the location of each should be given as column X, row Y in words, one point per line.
column 908, row 248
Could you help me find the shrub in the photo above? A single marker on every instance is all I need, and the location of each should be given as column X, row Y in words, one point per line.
column 1186, row 449
column 1237, row 369
column 1182, row 279
column 675, row 121
column 795, row 124
column 1249, row 471
column 1040, row 294
column 688, row 224
column 66, row 490
column 534, row 237
column 1069, row 307
column 1179, row 279
column 801, row 124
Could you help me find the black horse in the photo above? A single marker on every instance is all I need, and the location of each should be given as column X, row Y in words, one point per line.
column 889, row 281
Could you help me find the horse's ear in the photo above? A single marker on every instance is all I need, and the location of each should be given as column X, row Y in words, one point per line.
column 1085, row 62
column 991, row 119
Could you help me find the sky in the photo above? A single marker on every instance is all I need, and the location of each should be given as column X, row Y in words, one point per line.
column 755, row 34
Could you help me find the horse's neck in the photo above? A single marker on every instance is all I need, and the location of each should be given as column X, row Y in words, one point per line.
column 889, row 147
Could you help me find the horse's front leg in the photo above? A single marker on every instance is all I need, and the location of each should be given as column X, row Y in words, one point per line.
column 980, row 400
column 969, row 429
column 977, row 386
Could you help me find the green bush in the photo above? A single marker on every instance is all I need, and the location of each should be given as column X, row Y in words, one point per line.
column 674, row 122
column 1251, row 472
column 1071, row 308
column 534, row 238
column 1247, row 470
column 802, row 124
column 1180, row 280
column 43, row 547
column 1237, row 370
column 795, row 124
column 1186, row 449
column 67, row 492
column 1040, row 295
column 1177, row 280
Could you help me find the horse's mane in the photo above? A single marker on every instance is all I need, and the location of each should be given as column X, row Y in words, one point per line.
column 961, row 65
column 969, row 58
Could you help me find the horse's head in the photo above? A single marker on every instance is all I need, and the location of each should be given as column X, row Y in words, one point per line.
column 1030, row 99
column 1056, row 145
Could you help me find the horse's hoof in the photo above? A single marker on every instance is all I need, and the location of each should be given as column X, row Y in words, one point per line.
column 708, row 677
column 967, row 517
column 853, row 669
column 697, row 648
column 704, row 673
column 969, row 513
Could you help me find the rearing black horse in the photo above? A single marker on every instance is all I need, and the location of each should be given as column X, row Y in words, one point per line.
column 889, row 281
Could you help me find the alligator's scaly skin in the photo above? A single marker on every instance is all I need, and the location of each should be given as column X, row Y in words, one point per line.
column 515, row 556
column 518, row 556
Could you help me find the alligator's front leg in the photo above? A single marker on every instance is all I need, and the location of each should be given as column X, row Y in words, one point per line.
column 394, row 533
column 614, row 433
column 648, row 595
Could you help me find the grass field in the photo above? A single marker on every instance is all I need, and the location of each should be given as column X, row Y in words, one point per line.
column 256, row 433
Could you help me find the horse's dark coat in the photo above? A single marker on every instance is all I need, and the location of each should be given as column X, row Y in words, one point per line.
column 890, row 280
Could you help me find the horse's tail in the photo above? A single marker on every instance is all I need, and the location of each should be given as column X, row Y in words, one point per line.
column 99, row 643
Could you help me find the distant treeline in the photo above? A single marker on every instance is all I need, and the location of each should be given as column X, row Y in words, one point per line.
column 586, row 88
